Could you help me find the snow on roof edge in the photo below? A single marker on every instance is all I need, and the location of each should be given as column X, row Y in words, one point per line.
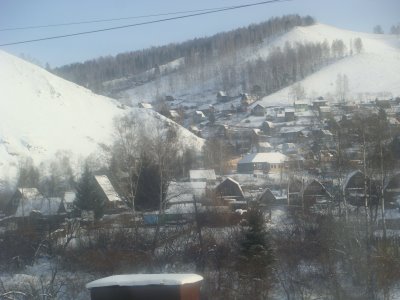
column 145, row 279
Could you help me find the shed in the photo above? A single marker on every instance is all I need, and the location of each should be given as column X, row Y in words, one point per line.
column 146, row 287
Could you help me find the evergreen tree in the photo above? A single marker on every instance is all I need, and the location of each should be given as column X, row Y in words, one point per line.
column 87, row 197
column 256, row 256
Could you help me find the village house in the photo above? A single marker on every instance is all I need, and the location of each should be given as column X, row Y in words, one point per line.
column 112, row 201
column 316, row 104
column 258, row 110
column 301, row 106
column 269, row 162
column 26, row 201
column 354, row 189
column 324, row 112
column 229, row 189
column 292, row 134
column 289, row 115
column 315, row 193
column 222, row 96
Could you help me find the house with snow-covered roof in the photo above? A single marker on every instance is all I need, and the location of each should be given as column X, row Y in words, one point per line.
column 26, row 201
column 258, row 110
column 109, row 194
column 229, row 189
column 268, row 162
column 68, row 200
column 203, row 176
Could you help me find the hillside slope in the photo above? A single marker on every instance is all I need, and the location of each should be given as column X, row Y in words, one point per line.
column 42, row 114
column 375, row 72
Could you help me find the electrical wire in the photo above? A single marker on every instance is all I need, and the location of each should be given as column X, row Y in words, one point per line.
column 143, row 23
column 109, row 20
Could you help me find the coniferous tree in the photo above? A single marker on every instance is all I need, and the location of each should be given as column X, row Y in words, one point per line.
column 256, row 256
column 87, row 197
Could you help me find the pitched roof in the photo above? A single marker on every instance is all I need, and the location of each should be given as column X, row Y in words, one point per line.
column 107, row 187
column 264, row 157
column 38, row 203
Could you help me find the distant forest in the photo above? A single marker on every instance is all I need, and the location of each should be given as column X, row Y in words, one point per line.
column 196, row 52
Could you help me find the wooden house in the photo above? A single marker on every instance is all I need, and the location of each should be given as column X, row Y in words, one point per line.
column 113, row 202
column 315, row 193
column 267, row 200
column 146, row 287
column 258, row 110
column 356, row 187
column 229, row 189
column 222, row 96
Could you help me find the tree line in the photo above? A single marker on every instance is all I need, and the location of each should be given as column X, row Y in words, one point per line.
column 93, row 72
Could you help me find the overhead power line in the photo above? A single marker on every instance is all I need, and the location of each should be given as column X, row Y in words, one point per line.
column 109, row 20
column 144, row 23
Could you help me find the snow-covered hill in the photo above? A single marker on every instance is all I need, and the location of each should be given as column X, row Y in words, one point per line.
column 42, row 114
column 375, row 72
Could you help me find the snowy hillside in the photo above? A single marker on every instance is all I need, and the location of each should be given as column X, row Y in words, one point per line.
column 375, row 72
column 41, row 114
